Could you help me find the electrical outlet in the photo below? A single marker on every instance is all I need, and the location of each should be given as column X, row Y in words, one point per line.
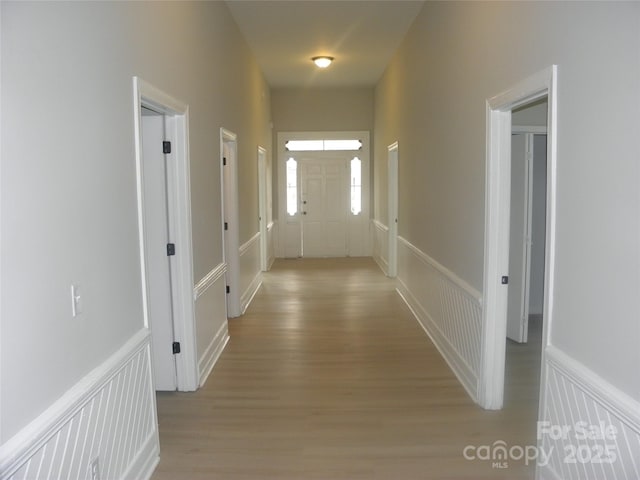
column 95, row 469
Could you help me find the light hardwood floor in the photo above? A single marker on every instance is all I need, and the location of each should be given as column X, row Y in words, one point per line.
column 329, row 376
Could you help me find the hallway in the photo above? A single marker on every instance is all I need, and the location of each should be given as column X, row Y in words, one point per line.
column 329, row 376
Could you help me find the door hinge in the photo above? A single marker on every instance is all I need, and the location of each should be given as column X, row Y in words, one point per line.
column 505, row 280
column 175, row 347
column 224, row 160
column 226, row 226
column 228, row 289
column 171, row 249
column 166, row 147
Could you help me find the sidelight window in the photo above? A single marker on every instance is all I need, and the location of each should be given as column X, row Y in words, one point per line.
column 356, row 186
column 292, row 186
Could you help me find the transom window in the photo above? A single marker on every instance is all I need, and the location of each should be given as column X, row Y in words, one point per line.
column 322, row 145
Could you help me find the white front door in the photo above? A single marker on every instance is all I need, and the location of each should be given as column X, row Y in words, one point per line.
column 157, row 236
column 324, row 199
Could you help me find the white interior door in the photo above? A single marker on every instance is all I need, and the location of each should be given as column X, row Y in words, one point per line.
column 519, row 238
column 229, row 154
column 325, row 205
column 392, row 192
column 157, row 236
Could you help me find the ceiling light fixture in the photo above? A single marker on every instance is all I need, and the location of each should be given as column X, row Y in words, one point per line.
column 322, row 61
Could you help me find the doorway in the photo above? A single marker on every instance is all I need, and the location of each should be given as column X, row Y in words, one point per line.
column 527, row 228
column 497, row 228
column 230, row 219
column 323, row 194
column 164, row 222
column 324, row 188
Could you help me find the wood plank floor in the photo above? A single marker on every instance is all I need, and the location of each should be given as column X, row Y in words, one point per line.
column 329, row 376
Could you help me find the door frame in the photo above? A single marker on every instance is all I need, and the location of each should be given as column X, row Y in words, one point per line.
column 179, row 206
column 496, row 243
column 281, row 170
column 262, row 207
column 392, row 212
column 230, row 236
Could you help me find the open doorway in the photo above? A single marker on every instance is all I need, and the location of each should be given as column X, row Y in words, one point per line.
column 527, row 233
column 497, row 228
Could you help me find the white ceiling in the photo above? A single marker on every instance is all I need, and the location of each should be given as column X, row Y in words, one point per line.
column 361, row 35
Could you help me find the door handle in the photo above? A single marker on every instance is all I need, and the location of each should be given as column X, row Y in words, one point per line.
column 304, row 202
column 304, row 213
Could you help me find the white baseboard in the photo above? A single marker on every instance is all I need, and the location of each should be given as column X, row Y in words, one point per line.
column 380, row 245
column 213, row 352
column 109, row 415
column 573, row 393
column 250, row 292
column 448, row 309
column 250, row 271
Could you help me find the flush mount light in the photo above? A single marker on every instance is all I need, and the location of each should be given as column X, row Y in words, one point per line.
column 322, row 61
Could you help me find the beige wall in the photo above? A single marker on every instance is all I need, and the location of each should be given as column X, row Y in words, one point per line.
column 69, row 209
column 321, row 110
column 432, row 100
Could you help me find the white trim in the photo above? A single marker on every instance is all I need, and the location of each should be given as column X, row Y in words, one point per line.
column 393, row 208
column 452, row 277
column 461, row 369
column 256, row 281
column 535, row 129
column 250, row 292
column 147, row 95
column 209, row 279
column 379, row 225
column 262, row 206
column 574, row 393
column 145, row 462
column 615, row 401
column 230, row 215
column 29, row 440
column 249, row 243
column 447, row 308
column 292, row 220
column 213, row 351
column 379, row 230
column 496, row 250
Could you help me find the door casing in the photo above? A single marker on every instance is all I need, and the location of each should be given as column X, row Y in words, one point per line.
column 230, row 218
column 179, row 210
column 392, row 214
column 289, row 226
column 496, row 248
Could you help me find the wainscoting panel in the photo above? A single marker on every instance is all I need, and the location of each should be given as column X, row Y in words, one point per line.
column 250, row 271
column 110, row 416
column 586, row 407
column 448, row 309
column 381, row 245
column 211, row 319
